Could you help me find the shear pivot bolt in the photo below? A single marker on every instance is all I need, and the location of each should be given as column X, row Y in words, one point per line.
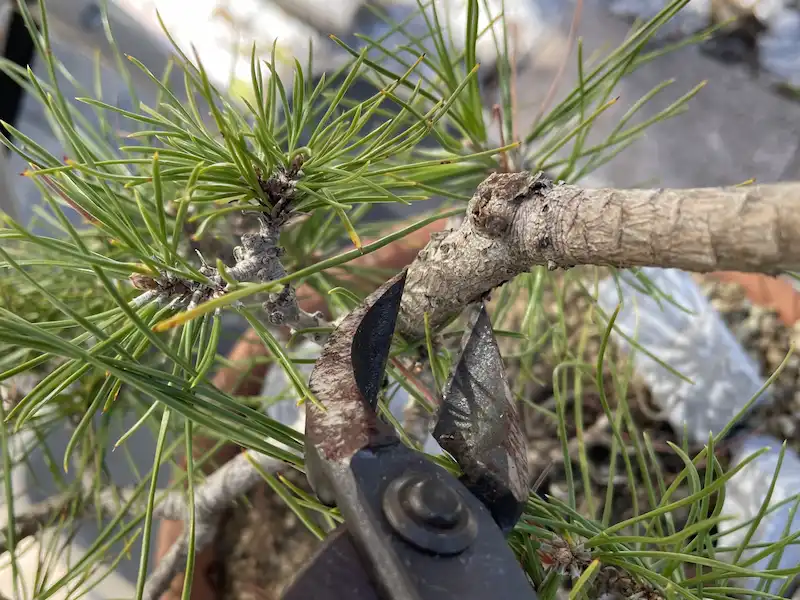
column 430, row 514
column 434, row 504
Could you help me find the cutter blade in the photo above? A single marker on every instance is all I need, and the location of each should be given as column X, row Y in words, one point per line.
column 478, row 424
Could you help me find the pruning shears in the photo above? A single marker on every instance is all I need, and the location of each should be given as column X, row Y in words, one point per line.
column 412, row 530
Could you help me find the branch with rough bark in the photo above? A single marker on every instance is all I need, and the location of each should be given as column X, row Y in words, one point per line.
column 513, row 222
column 220, row 490
column 517, row 220
column 258, row 259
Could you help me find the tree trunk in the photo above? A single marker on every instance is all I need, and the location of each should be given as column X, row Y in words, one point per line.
column 516, row 221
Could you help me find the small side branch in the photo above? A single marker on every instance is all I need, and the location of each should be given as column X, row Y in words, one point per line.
column 257, row 260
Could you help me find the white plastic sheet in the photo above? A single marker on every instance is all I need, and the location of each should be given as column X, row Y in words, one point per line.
column 696, row 344
column 746, row 493
column 223, row 32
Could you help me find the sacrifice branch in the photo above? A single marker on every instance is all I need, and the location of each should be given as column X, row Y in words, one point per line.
column 517, row 220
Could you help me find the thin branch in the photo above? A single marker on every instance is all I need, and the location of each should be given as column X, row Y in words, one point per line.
column 258, row 259
column 37, row 517
column 513, row 82
column 497, row 114
column 220, row 490
column 110, row 500
column 412, row 378
column 516, row 221
column 215, row 495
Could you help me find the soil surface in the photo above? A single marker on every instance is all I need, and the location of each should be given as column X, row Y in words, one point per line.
column 264, row 544
column 767, row 339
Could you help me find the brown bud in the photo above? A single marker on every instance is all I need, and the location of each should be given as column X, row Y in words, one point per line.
column 297, row 164
column 143, row 282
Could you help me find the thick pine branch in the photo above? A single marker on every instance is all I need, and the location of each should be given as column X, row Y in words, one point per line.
column 516, row 221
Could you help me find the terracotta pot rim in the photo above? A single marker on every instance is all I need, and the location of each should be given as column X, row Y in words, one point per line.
column 767, row 291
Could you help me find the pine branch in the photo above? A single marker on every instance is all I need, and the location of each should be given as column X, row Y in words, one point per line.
column 516, row 221
column 109, row 500
column 610, row 583
column 45, row 514
column 220, row 491
column 258, row 260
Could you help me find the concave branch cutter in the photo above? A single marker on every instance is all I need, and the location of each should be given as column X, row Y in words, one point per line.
column 412, row 530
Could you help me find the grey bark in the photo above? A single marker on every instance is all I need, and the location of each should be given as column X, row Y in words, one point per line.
column 220, row 490
column 516, row 221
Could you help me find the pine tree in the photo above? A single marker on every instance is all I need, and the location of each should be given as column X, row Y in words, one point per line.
column 255, row 206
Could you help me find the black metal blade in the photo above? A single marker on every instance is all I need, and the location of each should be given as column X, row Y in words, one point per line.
column 354, row 459
column 346, row 380
column 480, row 427
column 372, row 341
